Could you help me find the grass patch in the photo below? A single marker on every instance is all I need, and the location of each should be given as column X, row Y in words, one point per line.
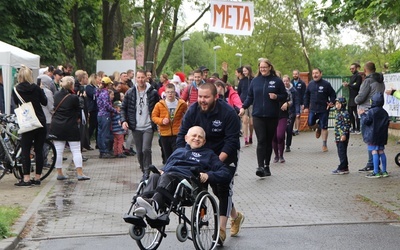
column 8, row 215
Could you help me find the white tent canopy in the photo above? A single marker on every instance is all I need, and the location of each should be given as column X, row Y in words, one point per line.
column 13, row 57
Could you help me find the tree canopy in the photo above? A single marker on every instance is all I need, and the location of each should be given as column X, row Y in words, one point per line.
column 81, row 32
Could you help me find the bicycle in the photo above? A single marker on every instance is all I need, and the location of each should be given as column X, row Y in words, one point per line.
column 10, row 150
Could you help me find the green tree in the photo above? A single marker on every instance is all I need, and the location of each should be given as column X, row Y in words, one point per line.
column 160, row 24
column 40, row 28
column 335, row 12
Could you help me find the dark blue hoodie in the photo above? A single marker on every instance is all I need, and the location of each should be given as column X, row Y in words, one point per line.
column 221, row 124
column 376, row 122
column 258, row 96
column 183, row 159
column 318, row 95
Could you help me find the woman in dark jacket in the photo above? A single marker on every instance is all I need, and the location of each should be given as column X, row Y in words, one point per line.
column 266, row 93
column 247, row 118
column 30, row 92
column 64, row 127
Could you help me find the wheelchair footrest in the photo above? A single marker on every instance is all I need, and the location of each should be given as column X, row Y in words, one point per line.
column 161, row 220
column 134, row 220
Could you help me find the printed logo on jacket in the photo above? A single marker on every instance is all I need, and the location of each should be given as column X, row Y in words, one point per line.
column 194, row 157
column 216, row 126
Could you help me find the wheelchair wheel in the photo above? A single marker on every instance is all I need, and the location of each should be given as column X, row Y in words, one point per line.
column 151, row 239
column 205, row 222
column 182, row 232
column 397, row 159
column 136, row 232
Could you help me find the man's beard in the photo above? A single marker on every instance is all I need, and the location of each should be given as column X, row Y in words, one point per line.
column 210, row 107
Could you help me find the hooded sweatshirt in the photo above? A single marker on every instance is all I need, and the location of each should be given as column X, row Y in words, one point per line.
column 258, row 96
column 376, row 122
column 183, row 159
column 372, row 84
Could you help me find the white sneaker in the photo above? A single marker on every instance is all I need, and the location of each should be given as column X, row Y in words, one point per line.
column 139, row 211
column 150, row 211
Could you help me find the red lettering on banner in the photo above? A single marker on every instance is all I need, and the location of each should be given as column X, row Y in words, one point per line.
column 238, row 15
column 246, row 19
column 242, row 16
column 228, row 16
column 218, row 11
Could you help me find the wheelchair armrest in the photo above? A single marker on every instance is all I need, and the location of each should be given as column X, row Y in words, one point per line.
column 153, row 169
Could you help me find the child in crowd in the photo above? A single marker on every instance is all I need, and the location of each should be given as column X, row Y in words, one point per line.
column 118, row 131
column 375, row 133
column 342, row 135
column 168, row 114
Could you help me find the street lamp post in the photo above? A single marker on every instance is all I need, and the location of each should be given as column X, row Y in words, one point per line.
column 240, row 58
column 183, row 40
column 215, row 57
column 135, row 26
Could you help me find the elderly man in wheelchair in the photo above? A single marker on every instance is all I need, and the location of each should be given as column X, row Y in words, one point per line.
column 181, row 183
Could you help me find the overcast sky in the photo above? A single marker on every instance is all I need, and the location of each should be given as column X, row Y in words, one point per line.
column 348, row 36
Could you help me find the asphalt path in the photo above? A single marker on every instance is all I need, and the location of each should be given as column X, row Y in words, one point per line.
column 344, row 236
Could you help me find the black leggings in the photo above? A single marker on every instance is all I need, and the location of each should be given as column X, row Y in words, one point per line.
column 265, row 129
column 35, row 138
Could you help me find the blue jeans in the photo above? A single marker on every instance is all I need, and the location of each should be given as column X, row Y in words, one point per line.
column 104, row 133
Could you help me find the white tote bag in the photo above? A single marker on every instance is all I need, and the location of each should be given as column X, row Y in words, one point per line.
column 26, row 116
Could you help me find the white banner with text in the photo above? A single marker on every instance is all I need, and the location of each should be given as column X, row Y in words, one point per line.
column 235, row 18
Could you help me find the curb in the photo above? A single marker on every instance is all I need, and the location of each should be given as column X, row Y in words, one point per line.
column 17, row 229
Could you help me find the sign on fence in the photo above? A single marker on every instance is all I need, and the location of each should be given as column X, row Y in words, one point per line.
column 235, row 18
column 392, row 104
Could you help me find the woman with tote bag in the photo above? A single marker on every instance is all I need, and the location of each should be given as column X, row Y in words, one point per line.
column 28, row 91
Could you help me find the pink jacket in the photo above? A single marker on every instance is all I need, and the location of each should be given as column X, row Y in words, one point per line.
column 234, row 98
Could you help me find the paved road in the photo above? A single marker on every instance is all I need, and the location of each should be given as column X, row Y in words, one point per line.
column 355, row 236
column 300, row 192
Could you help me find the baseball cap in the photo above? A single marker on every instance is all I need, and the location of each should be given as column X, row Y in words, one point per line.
column 106, row 80
column 203, row 68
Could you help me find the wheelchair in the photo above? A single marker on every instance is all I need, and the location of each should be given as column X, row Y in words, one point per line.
column 202, row 227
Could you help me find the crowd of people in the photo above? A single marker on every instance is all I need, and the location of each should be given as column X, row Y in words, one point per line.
column 200, row 113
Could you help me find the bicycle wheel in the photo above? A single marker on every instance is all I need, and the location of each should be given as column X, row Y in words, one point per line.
column 397, row 159
column 205, row 222
column 3, row 171
column 49, row 154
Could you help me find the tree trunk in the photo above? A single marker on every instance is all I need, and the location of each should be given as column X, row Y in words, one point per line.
column 109, row 38
column 76, row 36
column 173, row 39
column 303, row 43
